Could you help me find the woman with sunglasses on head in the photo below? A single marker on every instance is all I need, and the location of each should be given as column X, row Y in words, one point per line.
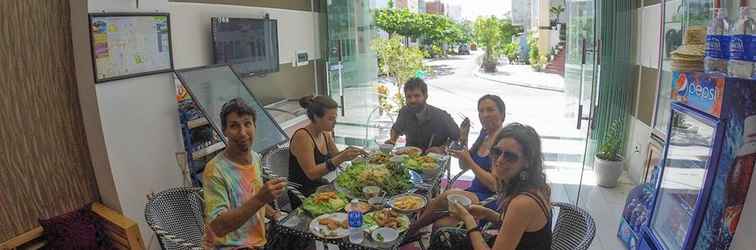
column 524, row 206
column 491, row 112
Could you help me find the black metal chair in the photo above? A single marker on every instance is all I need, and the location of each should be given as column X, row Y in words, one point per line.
column 276, row 163
column 176, row 216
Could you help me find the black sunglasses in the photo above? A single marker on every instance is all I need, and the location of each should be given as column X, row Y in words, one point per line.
column 508, row 156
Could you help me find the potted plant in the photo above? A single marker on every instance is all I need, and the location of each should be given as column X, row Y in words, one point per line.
column 608, row 163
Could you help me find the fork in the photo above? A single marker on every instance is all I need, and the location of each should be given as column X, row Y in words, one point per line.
column 268, row 174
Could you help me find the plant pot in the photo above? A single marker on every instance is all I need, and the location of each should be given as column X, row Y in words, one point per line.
column 607, row 172
column 489, row 67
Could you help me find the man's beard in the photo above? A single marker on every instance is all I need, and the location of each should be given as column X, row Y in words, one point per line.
column 417, row 108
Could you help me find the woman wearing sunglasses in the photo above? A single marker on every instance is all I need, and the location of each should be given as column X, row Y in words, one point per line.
column 491, row 112
column 524, row 206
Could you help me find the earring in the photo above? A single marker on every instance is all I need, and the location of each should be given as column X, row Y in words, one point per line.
column 523, row 176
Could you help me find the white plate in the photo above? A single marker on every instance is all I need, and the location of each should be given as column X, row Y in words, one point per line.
column 322, row 231
column 393, row 200
column 438, row 157
column 405, row 150
column 402, row 218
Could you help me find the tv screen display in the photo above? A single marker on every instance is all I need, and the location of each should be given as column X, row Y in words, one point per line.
column 249, row 45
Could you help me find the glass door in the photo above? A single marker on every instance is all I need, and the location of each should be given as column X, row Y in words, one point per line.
column 581, row 83
column 352, row 67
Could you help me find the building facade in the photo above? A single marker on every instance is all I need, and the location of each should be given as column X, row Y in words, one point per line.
column 435, row 7
column 521, row 12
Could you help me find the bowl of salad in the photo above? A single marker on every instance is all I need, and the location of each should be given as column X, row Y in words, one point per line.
column 423, row 164
column 353, row 179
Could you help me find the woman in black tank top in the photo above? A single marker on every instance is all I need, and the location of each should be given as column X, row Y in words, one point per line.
column 525, row 210
column 313, row 152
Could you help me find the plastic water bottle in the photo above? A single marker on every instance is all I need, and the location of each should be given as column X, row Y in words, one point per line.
column 717, row 42
column 742, row 45
column 355, row 223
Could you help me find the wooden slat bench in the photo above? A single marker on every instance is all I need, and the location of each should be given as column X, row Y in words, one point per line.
column 122, row 232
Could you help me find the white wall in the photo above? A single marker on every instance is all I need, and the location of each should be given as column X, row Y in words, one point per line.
column 140, row 126
column 139, row 115
column 297, row 30
column 649, row 28
column 636, row 148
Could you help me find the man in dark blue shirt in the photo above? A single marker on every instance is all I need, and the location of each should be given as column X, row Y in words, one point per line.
column 426, row 127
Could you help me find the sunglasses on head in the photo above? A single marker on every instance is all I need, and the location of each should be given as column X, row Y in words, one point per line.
column 508, row 156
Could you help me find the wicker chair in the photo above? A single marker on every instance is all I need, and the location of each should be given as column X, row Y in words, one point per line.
column 176, row 216
column 574, row 228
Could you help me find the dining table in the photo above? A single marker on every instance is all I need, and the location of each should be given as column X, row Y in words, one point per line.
column 293, row 230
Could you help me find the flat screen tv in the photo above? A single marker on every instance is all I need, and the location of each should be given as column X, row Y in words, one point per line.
column 249, row 45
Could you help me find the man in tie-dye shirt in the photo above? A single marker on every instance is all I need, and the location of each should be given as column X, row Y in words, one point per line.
column 235, row 197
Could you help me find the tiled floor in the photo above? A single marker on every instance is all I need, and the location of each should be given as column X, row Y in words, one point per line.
column 604, row 204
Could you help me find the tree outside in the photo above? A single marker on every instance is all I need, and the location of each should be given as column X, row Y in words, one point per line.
column 496, row 36
column 399, row 63
column 433, row 30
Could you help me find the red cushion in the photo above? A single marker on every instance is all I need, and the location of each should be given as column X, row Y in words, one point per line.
column 79, row 229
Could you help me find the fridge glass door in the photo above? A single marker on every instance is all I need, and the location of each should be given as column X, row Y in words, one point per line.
column 690, row 146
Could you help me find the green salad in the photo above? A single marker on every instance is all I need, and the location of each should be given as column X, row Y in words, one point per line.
column 324, row 203
column 359, row 175
column 420, row 163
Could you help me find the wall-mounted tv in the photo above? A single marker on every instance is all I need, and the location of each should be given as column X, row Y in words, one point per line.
column 249, row 45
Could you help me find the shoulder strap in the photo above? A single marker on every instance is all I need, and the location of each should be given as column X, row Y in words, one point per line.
column 539, row 202
column 308, row 133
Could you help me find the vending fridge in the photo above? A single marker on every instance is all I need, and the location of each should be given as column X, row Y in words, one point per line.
column 701, row 184
column 686, row 178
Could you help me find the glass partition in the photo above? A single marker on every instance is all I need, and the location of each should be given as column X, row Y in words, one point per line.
column 352, row 66
column 213, row 86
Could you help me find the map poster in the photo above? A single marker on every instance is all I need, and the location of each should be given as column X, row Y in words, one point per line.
column 126, row 45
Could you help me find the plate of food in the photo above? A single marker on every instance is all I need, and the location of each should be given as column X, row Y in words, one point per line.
column 386, row 218
column 408, row 150
column 424, row 164
column 362, row 206
column 378, row 158
column 330, row 226
column 359, row 175
column 408, row 203
column 324, row 203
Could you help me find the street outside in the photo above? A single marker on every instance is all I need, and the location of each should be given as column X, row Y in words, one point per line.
column 456, row 85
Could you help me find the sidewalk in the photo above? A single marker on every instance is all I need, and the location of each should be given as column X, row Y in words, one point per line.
column 523, row 75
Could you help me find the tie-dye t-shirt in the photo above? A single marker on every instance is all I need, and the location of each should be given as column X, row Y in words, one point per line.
column 228, row 185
